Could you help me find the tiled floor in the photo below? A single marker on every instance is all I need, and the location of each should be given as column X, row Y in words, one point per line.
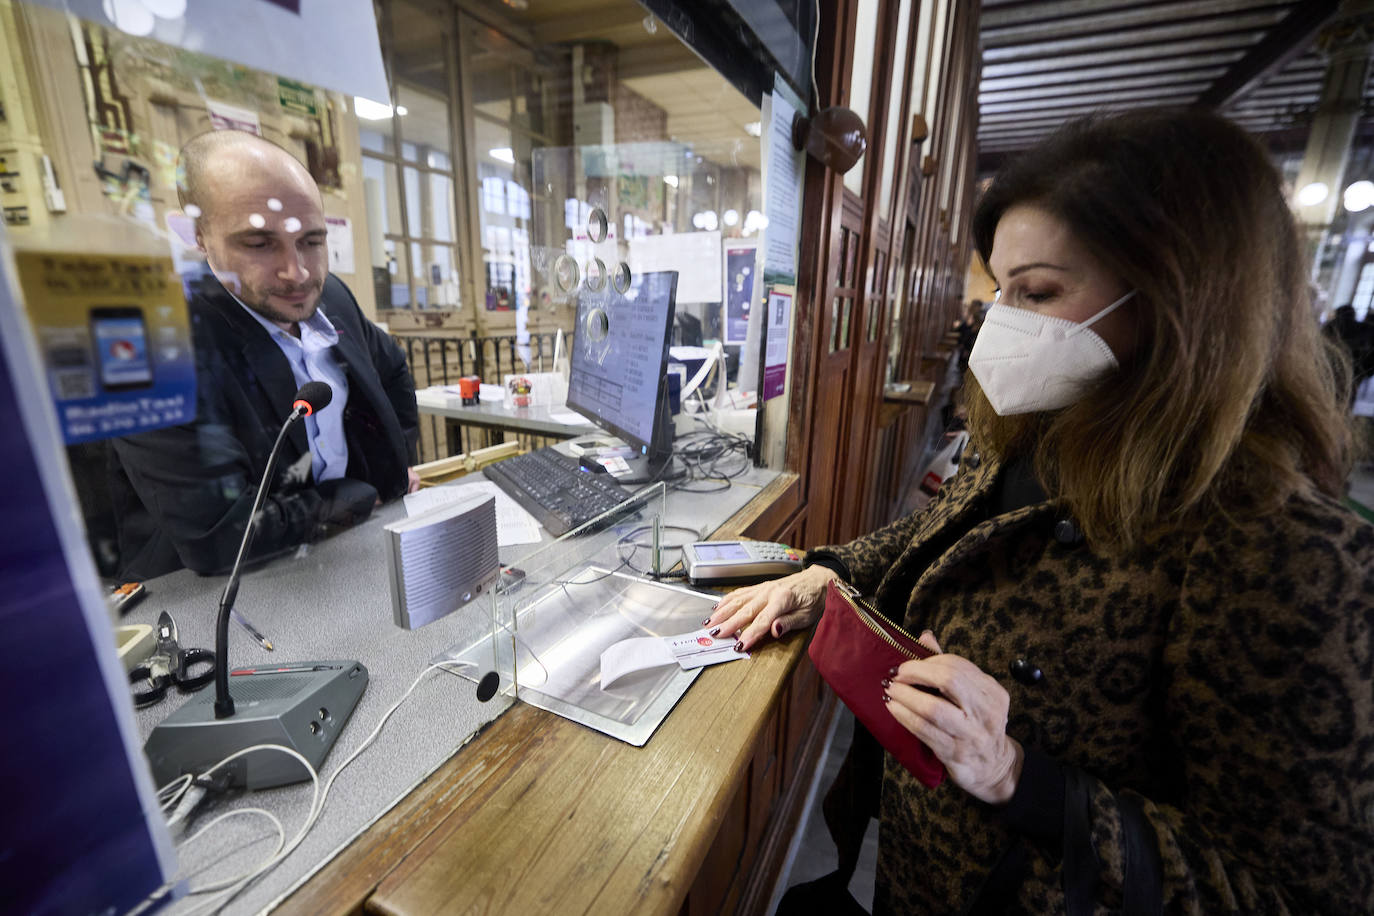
column 813, row 853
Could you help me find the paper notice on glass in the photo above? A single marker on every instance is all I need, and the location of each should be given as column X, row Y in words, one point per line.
column 782, row 185
column 339, row 238
column 513, row 524
column 775, row 353
column 694, row 255
column 690, row 650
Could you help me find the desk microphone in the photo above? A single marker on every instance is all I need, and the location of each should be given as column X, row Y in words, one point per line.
column 302, row 705
column 311, row 397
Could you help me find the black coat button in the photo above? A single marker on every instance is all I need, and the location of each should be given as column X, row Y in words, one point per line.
column 1066, row 532
column 972, row 460
column 1025, row 672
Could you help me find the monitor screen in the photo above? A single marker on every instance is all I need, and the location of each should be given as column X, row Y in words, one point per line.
column 620, row 355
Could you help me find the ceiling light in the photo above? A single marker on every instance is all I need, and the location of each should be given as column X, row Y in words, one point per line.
column 369, row 110
column 1313, row 194
column 130, row 16
column 670, row 180
column 402, row 110
column 1359, row 196
column 502, row 154
column 166, row 9
column 731, row 217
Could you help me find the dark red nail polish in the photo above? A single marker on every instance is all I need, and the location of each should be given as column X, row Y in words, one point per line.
column 891, row 672
column 886, row 698
column 716, row 631
column 739, row 646
column 887, row 682
column 706, row 621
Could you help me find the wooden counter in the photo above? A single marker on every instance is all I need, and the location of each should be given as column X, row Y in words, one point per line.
column 539, row 814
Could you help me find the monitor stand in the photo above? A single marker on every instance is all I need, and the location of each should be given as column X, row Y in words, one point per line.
column 658, row 463
column 651, row 469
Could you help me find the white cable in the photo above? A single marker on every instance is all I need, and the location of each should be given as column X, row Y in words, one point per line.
column 815, row 40
column 238, row 884
column 316, row 805
column 190, row 798
column 175, row 790
column 223, row 883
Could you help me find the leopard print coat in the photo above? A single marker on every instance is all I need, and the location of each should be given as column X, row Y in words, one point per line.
column 1222, row 680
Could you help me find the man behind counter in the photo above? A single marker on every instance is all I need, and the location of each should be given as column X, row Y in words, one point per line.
column 270, row 320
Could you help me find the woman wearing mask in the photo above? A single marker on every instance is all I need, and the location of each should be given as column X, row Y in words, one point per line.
column 1154, row 617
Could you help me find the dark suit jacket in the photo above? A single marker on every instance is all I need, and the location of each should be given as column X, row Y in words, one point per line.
column 182, row 495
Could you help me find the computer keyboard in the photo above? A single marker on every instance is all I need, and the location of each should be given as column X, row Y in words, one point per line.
column 554, row 489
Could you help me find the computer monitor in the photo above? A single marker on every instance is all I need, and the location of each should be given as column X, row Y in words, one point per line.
column 619, row 367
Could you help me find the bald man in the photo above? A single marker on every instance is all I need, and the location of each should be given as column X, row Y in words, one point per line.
column 272, row 319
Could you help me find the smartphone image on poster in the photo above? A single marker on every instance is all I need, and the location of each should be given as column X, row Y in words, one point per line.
column 121, row 347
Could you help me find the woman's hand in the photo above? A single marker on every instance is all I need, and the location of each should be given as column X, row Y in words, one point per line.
column 966, row 725
column 790, row 603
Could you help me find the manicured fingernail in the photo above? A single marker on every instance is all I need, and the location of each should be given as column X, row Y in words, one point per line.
column 886, row 698
column 739, row 646
column 891, row 672
column 886, row 683
column 706, row 621
column 716, row 631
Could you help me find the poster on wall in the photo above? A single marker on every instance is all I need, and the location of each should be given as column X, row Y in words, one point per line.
column 741, row 288
column 115, row 341
column 775, row 352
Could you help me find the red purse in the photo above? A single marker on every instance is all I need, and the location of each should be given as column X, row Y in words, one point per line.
column 853, row 649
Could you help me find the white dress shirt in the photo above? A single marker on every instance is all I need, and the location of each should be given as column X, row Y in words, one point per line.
column 312, row 361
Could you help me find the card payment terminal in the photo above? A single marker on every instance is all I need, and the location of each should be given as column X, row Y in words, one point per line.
column 739, row 562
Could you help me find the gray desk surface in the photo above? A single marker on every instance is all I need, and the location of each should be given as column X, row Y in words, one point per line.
column 497, row 416
column 331, row 600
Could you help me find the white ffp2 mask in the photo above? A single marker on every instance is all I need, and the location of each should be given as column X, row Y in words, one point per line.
column 1026, row 361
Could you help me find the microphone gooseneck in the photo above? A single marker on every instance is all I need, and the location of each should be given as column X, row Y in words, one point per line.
column 311, row 397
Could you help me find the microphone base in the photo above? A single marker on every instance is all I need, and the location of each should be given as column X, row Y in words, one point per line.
column 301, row 705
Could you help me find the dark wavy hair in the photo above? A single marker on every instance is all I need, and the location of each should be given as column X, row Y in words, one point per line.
column 1231, row 400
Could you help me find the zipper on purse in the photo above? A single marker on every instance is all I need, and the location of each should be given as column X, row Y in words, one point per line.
column 866, row 614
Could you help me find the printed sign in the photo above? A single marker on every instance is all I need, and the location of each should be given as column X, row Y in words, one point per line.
column 339, row 237
column 296, row 97
column 224, row 116
column 740, row 284
column 115, row 341
column 775, row 360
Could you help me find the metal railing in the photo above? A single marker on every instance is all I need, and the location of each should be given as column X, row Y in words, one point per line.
column 439, row 359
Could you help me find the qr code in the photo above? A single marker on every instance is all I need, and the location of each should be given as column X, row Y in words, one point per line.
column 72, row 384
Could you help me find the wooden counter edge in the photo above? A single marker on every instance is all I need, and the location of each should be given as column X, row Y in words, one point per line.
column 345, row 883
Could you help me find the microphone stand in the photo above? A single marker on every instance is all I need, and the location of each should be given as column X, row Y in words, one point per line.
column 224, row 703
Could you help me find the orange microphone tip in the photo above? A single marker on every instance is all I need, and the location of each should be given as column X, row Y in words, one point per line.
column 304, row 407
